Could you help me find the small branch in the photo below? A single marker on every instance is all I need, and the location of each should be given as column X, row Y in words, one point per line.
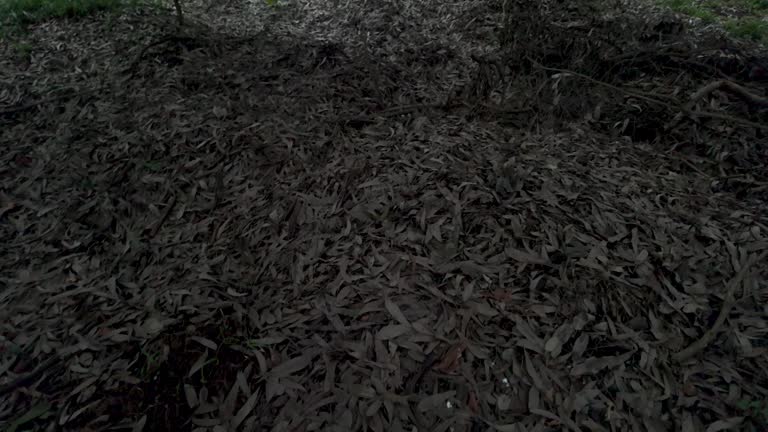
column 741, row 91
column 728, row 303
column 731, row 87
column 727, row 118
column 604, row 84
column 168, row 207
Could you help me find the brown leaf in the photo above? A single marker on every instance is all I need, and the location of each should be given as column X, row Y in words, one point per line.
column 452, row 358
column 392, row 331
column 472, row 403
column 291, row 366
column 395, row 311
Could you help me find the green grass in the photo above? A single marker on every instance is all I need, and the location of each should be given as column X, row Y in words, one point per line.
column 20, row 13
column 690, row 8
column 745, row 19
column 749, row 28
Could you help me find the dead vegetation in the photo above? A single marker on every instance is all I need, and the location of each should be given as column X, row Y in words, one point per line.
column 383, row 215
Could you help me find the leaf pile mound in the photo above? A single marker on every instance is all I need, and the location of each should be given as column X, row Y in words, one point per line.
column 332, row 221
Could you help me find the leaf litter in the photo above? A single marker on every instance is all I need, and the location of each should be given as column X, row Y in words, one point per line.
column 327, row 217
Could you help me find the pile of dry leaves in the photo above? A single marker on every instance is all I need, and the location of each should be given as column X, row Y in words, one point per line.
column 381, row 215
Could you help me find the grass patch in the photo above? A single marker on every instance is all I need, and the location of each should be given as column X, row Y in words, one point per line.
column 690, row 8
column 745, row 19
column 749, row 28
column 20, row 13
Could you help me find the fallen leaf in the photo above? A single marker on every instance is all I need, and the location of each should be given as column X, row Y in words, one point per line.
column 451, row 360
column 392, row 331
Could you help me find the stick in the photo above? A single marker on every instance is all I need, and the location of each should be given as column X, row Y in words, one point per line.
column 732, row 87
column 728, row 118
column 728, row 304
column 164, row 217
column 602, row 83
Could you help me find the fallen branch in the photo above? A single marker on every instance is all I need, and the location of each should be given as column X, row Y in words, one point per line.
column 728, row 302
column 605, row 84
column 731, row 87
column 727, row 118
column 686, row 109
column 168, row 207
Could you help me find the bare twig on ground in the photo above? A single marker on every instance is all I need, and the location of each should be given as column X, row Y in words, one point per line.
column 731, row 87
column 727, row 118
column 685, row 109
column 605, row 84
column 168, row 207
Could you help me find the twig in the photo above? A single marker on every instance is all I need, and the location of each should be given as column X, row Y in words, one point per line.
column 728, row 118
column 728, row 303
column 604, row 84
column 164, row 217
column 685, row 109
column 732, row 87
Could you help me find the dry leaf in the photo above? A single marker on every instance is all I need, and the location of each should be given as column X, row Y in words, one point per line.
column 392, row 331
column 451, row 360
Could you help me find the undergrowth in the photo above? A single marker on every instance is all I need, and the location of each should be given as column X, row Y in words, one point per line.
column 746, row 19
column 17, row 14
column 749, row 28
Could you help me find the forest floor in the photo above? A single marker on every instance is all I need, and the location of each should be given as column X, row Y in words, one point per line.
column 383, row 215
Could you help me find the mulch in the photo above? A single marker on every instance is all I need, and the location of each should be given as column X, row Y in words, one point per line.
column 364, row 216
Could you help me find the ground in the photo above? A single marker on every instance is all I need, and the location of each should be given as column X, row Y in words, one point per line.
column 383, row 215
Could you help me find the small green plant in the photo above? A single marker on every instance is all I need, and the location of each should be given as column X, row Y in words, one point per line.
column 23, row 50
column 29, row 11
column 756, row 409
column 154, row 166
